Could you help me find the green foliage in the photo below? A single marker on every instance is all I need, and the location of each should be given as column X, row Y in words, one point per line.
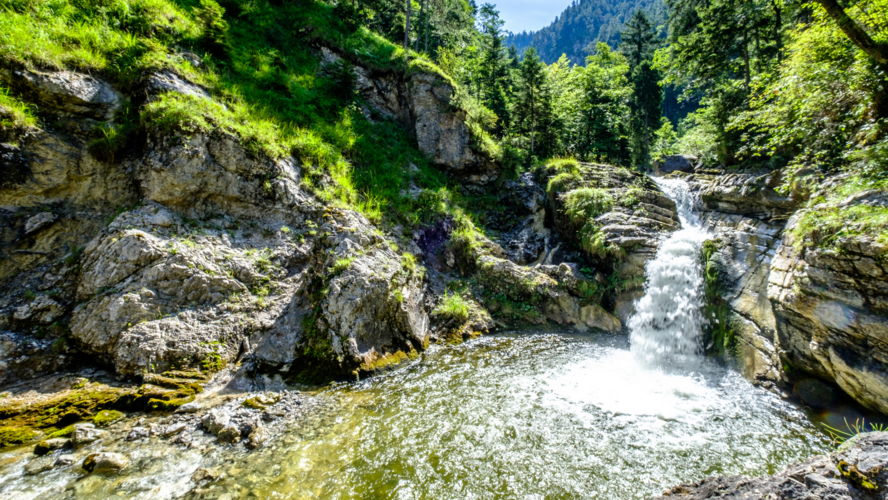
column 586, row 203
column 594, row 242
column 453, row 307
column 563, row 181
column 14, row 114
column 340, row 266
column 851, row 431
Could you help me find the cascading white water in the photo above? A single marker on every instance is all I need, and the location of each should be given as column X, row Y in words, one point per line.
column 667, row 325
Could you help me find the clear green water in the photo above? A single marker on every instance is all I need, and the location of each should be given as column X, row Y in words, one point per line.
column 506, row 416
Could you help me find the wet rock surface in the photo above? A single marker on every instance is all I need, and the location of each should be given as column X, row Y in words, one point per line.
column 859, row 472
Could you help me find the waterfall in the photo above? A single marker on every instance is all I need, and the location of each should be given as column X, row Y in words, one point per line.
column 666, row 327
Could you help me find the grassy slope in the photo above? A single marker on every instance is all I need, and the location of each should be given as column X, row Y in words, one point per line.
column 257, row 61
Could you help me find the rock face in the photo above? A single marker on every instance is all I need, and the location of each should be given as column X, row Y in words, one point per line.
column 742, row 266
column 223, row 258
column 831, row 309
column 746, row 194
column 857, row 472
column 423, row 102
column 67, row 91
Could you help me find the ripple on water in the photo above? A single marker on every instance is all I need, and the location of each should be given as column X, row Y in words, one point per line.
column 514, row 416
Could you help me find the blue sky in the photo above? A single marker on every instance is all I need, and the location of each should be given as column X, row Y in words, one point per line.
column 530, row 15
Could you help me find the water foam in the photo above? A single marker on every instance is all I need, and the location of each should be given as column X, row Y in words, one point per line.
column 667, row 325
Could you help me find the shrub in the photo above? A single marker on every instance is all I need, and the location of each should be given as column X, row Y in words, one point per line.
column 563, row 180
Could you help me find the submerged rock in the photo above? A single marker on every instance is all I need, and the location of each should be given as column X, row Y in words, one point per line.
column 85, row 434
column 105, row 462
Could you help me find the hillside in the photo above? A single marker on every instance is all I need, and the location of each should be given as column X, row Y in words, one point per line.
column 583, row 23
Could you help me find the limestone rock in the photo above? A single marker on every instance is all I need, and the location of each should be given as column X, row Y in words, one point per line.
column 375, row 300
column 742, row 262
column 258, row 437
column 167, row 81
column 749, row 195
column 215, row 420
column 192, row 407
column 42, row 310
column 85, row 434
column 105, row 462
column 859, row 471
column 68, row 92
column 23, row 357
column 50, row 445
column 831, row 311
column 229, row 434
column 137, row 433
column 39, row 464
column 39, row 221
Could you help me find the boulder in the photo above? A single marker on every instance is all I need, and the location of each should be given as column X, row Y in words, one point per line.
column 741, row 265
column 258, row 437
column 85, row 434
column 229, row 434
column 50, row 445
column 42, row 309
column 105, row 462
column 215, row 420
column 858, row 471
column 678, row 163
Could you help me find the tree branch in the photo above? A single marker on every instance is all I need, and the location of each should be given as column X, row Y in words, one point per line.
column 855, row 33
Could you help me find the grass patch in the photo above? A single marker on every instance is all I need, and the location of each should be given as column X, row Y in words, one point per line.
column 453, row 307
column 826, row 224
column 586, row 203
column 14, row 113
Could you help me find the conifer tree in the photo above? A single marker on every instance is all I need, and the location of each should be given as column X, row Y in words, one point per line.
column 532, row 108
column 638, row 43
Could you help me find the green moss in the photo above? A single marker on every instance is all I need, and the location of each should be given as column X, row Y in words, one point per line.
column 11, row 436
column 166, row 406
column 719, row 331
column 387, row 362
column 107, row 417
column 61, row 433
column 186, row 375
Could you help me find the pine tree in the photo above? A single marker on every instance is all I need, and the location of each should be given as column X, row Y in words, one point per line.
column 494, row 65
column 532, row 112
column 639, row 40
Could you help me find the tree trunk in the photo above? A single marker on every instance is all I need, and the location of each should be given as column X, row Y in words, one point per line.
column 426, row 29
column 407, row 26
column 746, row 60
column 857, row 35
column 422, row 13
column 777, row 25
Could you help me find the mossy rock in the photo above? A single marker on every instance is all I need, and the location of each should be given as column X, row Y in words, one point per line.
column 107, row 417
column 167, row 406
column 261, row 402
column 11, row 436
column 61, row 433
column 187, row 375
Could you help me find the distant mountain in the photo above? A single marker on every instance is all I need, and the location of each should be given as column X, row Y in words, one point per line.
column 585, row 22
